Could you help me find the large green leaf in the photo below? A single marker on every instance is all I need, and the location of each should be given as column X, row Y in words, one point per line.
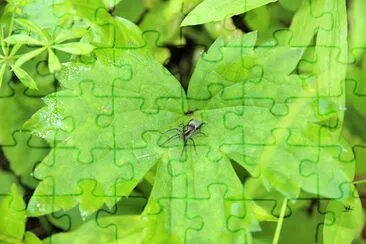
column 107, row 127
column 219, row 10
column 129, row 85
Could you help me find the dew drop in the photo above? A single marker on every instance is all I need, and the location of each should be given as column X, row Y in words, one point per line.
column 84, row 215
column 342, row 108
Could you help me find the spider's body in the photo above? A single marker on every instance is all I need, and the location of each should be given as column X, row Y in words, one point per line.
column 192, row 128
column 186, row 132
column 347, row 208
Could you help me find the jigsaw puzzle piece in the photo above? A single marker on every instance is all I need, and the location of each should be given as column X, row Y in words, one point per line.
column 331, row 174
column 312, row 17
column 74, row 125
column 304, row 211
column 15, row 142
column 87, row 186
column 12, row 209
column 188, row 184
column 222, row 227
column 120, row 229
column 72, row 220
column 344, row 219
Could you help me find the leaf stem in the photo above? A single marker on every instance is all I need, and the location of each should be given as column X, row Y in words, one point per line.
column 11, row 25
column 359, row 182
column 280, row 221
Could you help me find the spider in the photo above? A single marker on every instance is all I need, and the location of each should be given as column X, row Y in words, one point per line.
column 186, row 132
column 347, row 208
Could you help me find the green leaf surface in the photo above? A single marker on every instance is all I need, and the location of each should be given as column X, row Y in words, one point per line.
column 242, row 93
column 24, row 77
column 12, row 218
column 106, row 30
column 24, row 39
column 300, row 224
column 357, row 20
column 29, row 25
column 111, row 3
column 28, row 56
column 17, row 104
column 220, row 10
column 258, row 144
column 75, row 48
column 31, row 238
column 130, row 10
column 127, row 229
column 161, row 26
column 74, row 33
column 53, row 61
column 7, row 180
column 344, row 221
column 51, row 119
column 44, row 13
column 2, row 73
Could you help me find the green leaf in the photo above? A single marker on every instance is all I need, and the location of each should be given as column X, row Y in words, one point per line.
column 23, row 39
column 301, row 223
column 46, row 14
column 12, row 218
column 74, row 33
column 257, row 112
column 344, row 221
column 29, row 25
column 24, row 77
column 220, row 10
column 28, row 56
column 111, row 3
column 130, row 10
column 106, row 30
column 53, row 61
column 130, row 229
column 75, row 48
column 50, row 118
column 20, row 149
column 2, row 72
column 233, row 75
column 31, row 238
column 161, row 27
column 7, row 180
column 134, row 204
column 357, row 18
column 15, row 49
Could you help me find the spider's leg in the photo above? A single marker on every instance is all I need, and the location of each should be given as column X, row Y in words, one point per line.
column 194, row 144
column 170, row 138
column 173, row 129
column 201, row 133
column 184, row 147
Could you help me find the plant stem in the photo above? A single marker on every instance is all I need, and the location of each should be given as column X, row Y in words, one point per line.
column 359, row 182
column 280, row 221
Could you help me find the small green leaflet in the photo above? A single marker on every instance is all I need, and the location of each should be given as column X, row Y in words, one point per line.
column 220, row 10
